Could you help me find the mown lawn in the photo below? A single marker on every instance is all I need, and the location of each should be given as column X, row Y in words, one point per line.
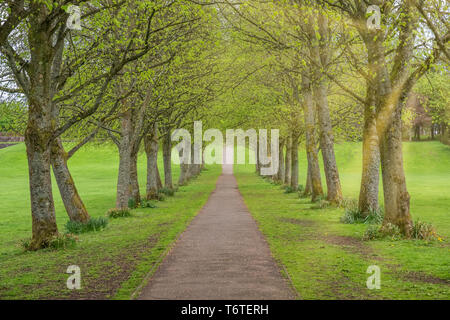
column 326, row 259
column 114, row 261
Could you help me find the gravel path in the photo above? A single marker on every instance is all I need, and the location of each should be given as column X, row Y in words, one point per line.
column 222, row 255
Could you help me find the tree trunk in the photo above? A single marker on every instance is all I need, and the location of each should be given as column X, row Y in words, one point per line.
column 151, row 150
column 40, row 128
column 158, row 178
column 368, row 195
column 281, row 171
column 167, row 158
column 185, row 169
column 392, row 89
column 294, row 162
column 193, row 168
column 124, row 186
column 334, row 191
column 314, row 178
column 320, row 53
column 308, row 187
column 124, row 183
column 72, row 201
column 288, row 161
column 38, row 155
column 417, row 132
column 135, row 192
column 257, row 165
column 396, row 196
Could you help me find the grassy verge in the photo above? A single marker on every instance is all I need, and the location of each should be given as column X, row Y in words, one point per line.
column 328, row 260
column 114, row 261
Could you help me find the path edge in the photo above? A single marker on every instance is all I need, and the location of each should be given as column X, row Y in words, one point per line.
column 148, row 277
column 281, row 267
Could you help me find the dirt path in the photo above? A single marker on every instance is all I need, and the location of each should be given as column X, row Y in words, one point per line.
column 221, row 255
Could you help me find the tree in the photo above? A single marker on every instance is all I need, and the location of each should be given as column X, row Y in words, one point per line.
column 49, row 74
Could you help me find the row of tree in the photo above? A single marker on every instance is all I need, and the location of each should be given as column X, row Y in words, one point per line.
column 135, row 71
column 313, row 51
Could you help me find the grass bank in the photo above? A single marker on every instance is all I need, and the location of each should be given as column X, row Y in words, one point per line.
column 114, row 261
column 326, row 259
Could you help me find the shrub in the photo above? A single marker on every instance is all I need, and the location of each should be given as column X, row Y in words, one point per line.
column 349, row 203
column 167, row 191
column 423, row 231
column 371, row 233
column 289, row 189
column 303, row 195
column 160, row 197
column 354, row 215
column 390, row 230
column 60, row 241
column 118, row 213
column 276, row 182
column 420, row 230
column 94, row 224
column 147, row 204
column 321, row 204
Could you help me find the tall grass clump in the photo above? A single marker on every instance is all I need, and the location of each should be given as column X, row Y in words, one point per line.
column 94, row 224
column 354, row 215
column 167, row 191
column 118, row 213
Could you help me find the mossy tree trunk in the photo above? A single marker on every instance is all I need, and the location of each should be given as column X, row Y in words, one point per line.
column 40, row 129
column 391, row 89
column 314, row 182
column 320, row 53
column 368, row 195
column 75, row 207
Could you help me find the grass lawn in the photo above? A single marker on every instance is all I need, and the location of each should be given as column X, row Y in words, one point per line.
column 326, row 259
column 114, row 261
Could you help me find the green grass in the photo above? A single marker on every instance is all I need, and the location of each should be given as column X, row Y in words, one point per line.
column 114, row 261
column 326, row 259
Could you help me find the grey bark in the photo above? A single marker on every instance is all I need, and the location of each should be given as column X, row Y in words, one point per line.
column 40, row 128
column 135, row 192
column 308, row 187
column 288, row 161
column 294, row 162
column 124, row 186
column 185, row 171
column 368, row 195
column 151, row 150
column 281, row 171
column 314, row 180
column 75, row 207
column 167, row 159
column 321, row 55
